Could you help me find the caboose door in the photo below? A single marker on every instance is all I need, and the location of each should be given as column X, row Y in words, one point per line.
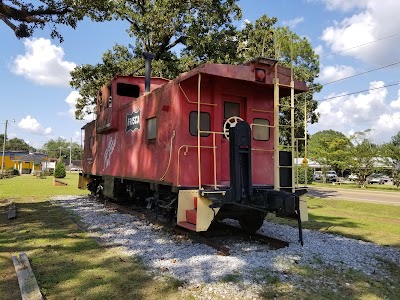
column 234, row 110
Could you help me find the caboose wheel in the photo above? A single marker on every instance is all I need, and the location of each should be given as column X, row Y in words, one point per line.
column 251, row 223
column 231, row 122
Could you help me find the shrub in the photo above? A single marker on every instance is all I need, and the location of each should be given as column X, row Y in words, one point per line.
column 301, row 174
column 13, row 171
column 48, row 172
column 59, row 171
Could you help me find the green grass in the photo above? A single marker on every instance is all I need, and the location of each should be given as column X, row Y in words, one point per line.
column 326, row 283
column 235, row 277
column 30, row 187
column 378, row 223
column 379, row 187
column 67, row 263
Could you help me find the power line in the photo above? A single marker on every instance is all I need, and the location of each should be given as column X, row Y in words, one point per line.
column 362, row 73
column 358, row 92
column 361, row 45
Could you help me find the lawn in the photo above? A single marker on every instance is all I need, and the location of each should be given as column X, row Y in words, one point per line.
column 377, row 223
column 382, row 187
column 67, row 263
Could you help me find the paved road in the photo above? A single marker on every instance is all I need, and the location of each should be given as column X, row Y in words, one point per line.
column 356, row 195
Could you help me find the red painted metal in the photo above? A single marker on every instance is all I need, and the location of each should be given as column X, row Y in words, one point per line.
column 120, row 148
column 191, row 216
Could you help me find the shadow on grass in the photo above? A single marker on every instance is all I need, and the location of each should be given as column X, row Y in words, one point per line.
column 327, row 283
column 329, row 224
column 326, row 194
column 334, row 225
column 66, row 262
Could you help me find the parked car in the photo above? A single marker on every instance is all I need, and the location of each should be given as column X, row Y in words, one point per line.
column 317, row 175
column 353, row 177
column 375, row 178
column 331, row 176
column 386, row 178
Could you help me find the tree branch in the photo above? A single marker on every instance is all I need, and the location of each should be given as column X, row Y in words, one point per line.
column 8, row 22
column 24, row 15
column 174, row 43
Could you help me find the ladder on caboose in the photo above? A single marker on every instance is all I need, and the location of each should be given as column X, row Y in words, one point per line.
column 280, row 164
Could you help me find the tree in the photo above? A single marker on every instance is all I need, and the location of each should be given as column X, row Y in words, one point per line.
column 262, row 39
column 60, row 148
column 392, row 149
column 204, row 35
column 19, row 144
column 15, row 144
column 363, row 155
column 24, row 17
column 59, row 171
column 330, row 148
column 391, row 153
column 202, row 29
column 396, row 139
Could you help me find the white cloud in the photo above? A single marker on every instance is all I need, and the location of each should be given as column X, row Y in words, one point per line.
column 344, row 5
column 351, row 113
column 319, row 50
column 376, row 22
column 396, row 104
column 33, row 126
column 387, row 126
column 43, row 63
column 293, row 22
column 333, row 73
column 71, row 101
column 245, row 22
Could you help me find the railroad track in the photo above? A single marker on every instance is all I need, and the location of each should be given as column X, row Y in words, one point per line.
column 213, row 238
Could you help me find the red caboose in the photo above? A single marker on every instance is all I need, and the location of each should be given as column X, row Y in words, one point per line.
column 200, row 147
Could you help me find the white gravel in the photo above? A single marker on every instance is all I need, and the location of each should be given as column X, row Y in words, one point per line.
column 203, row 270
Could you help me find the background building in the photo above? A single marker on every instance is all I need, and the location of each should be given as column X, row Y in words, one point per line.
column 23, row 161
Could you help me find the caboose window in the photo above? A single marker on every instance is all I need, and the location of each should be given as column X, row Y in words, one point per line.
column 231, row 109
column 90, row 143
column 151, row 126
column 205, row 123
column 128, row 90
column 261, row 129
column 109, row 102
column 100, row 101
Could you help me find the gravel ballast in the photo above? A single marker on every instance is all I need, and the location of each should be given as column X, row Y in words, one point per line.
column 239, row 275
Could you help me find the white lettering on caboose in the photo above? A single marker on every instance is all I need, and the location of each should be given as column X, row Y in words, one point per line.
column 133, row 121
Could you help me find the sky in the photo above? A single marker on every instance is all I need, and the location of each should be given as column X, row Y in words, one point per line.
column 356, row 39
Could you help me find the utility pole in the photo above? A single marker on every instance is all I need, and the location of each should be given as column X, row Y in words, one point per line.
column 4, row 149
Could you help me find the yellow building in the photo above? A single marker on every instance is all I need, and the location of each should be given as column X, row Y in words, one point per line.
column 23, row 161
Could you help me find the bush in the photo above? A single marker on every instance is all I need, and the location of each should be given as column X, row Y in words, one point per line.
column 13, row 171
column 59, row 171
column 301, row 177
column 48, row 172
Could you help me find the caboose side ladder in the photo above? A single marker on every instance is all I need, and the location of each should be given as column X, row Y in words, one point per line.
column 278, row 168
column 277, row 127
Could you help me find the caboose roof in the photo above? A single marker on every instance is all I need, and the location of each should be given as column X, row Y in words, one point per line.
column 246, row 72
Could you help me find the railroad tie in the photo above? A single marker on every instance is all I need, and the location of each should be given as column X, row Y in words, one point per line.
column 26, row 279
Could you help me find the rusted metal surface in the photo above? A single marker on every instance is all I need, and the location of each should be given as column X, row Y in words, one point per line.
column 276, row 243
column 271, row 241
column 194, row 236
